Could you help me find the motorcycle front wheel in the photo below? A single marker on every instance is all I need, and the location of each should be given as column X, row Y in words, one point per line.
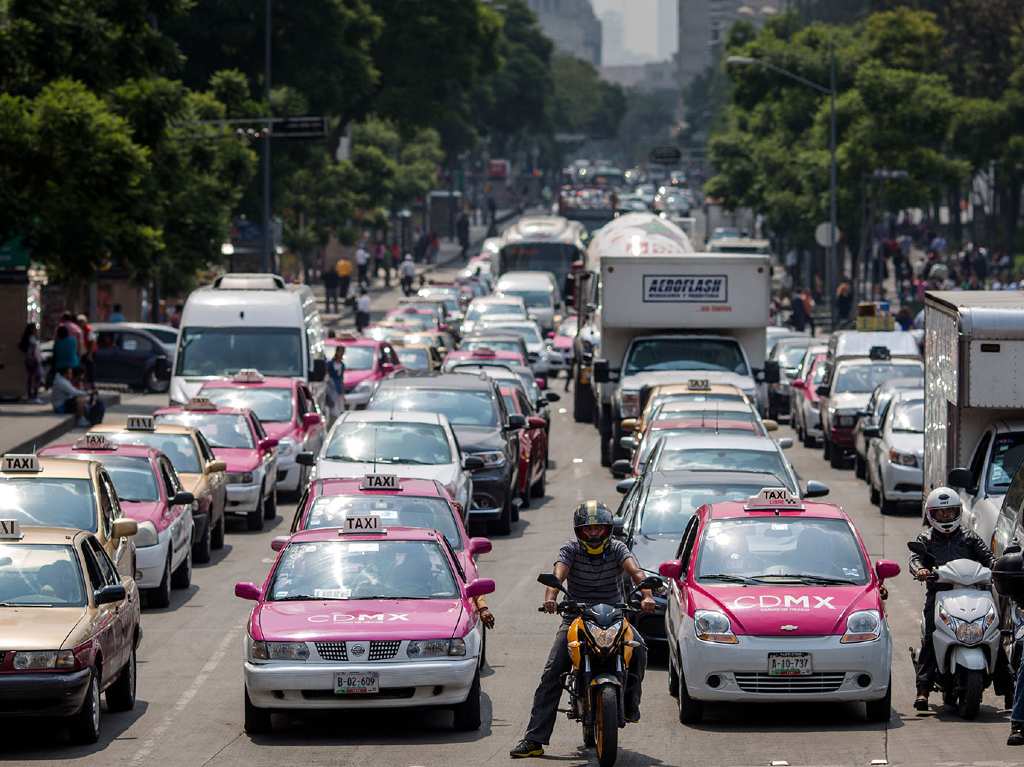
column 970, row 699
column 606, row 725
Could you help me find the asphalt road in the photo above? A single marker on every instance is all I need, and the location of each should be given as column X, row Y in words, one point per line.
column 189, row 709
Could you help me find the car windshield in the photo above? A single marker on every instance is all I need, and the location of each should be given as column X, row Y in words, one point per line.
column 1007, row 454
column 393, row 510
column 656, row 354
column 48, row 502
column 651, row 439
column 863, row 377
column 411, row 320
column 133, row 477
column 389, row 442
column 168, row 336
column 478, row 310
column 267, row 404
column 534, row 299
column 41, row 575
column 225, row 351
column 179, row 448
column 528, row 333
column 378, row 569
column 414, row 359
column 668, row 508
column 496, row 344
column 220, row 429
column 791, row 356
column 358, row 357
column 909, row 416
column 462, row 407
column 782, row 550
column 710, row 459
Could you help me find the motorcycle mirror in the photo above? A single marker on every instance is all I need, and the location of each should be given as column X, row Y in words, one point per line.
column 549, row 580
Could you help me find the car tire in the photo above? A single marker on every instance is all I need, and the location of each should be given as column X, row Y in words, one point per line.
column 270, row 504
column 153, row 384
column 467, row 714
column 85, row 725
column 673, row 678
column 880, row 710
column 254, row 519
column 835, row 458
column 217, row 536
column 884, row 504
column 873, row 494
column 503, row 524
column 826, row 449
column 182, row 576
column 257, row 720
column 691, row 710
column 201, row 549
column 860, row 467
column 121, row 694
column 160, row 597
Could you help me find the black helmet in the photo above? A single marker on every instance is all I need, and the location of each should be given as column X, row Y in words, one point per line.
column 592, row 513
column 1008, row 576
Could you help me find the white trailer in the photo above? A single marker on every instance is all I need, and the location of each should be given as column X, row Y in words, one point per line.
column 974, row 398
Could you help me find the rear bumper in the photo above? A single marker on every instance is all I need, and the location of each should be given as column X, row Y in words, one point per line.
column 841, row 438
column 901, row 483
column 43, row 694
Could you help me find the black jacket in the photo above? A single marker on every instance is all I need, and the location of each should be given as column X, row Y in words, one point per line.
column 960, row 544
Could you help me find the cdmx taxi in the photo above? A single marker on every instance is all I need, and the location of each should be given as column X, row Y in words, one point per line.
column 360, row 617
column 71, row 628
column 774, row 600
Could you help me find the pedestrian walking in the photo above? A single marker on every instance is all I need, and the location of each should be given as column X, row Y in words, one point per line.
column 419, row 250
column 88, row 355
column 344, row 271
column 462, row 231
column 330, row 278
column 29, row 347
column 363, row 264
column 844, row 301
column 362, row 310
column 407, row 273
column 797, row 313
column 336, row 386
column 394, row 255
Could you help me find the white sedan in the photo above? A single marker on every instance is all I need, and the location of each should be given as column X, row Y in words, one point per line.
column 895, row 458
column 540, row 357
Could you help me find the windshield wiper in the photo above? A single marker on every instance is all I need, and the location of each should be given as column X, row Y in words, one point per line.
column 306, row 598
column 728, row 578
column 807, row 578
column 27, row 604
column 391, row 596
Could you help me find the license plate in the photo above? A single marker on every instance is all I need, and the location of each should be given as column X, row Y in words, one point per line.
column 365, row 683
column 789, row 664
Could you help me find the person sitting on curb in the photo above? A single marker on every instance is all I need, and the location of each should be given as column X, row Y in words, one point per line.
column 67, row 398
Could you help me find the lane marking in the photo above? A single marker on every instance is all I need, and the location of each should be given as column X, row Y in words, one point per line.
column 186, row 697
column 577, row 460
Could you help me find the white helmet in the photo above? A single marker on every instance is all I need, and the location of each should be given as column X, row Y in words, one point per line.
column 942, row 509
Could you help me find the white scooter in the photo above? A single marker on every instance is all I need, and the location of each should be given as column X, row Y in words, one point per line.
column 967, row 632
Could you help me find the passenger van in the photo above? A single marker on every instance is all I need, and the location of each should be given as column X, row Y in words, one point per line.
column 539, row 291
column 249, row 321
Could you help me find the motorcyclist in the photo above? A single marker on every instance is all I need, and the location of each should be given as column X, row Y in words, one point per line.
column 945, row 541
column 592, row 566
column 407, row 272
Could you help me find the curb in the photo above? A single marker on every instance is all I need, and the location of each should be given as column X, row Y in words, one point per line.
column 59, row 429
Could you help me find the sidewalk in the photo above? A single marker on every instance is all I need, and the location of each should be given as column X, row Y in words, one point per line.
column 25, row 427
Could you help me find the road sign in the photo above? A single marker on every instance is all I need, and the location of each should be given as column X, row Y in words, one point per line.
column 666, row 155
column 300, row 127
column 821, row 234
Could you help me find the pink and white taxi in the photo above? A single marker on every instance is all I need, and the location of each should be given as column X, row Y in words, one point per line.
column 774, row 599
column 368, row 361
column 287, row 412
column 237, row 438
column 363, row 616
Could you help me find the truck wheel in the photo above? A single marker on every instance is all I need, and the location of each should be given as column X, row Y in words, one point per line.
column 860, row 468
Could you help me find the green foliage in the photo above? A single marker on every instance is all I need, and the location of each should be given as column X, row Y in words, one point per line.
column 583, row 102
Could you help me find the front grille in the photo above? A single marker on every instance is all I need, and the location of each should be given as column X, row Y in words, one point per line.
column 383, row 650
column 812, row 683
column 332, row 650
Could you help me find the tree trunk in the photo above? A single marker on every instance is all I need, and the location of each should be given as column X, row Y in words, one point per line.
column 956, row 224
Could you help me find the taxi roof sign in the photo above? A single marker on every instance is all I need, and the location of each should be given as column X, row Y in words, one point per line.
column 15, row 463
column 380, row 482
column 141, row 423
column 93, row 441
column 248, row 375
column 698, row 384
column 10, row 530
column 200, row 403
column 774, row 499
column 369, row 523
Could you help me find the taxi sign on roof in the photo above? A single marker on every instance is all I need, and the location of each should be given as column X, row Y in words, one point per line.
column 200, row 403
column 21, row 462
column 10, row 530
column 141, row 423
column 484, row 351
column 773, row 499
column 248, row 375
column 369, row 523
column 380, row 482
column 698, row 384
column 95, row 442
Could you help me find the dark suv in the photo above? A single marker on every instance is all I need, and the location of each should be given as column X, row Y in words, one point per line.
column 483, row 427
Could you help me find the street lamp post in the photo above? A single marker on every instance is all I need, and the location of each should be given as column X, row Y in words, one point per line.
column 831, row 263
column 268, row 235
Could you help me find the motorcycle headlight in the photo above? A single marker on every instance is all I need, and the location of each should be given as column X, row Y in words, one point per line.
column 266, row 651
column 604, row 639
column 239, row 477
column 862, row 626
column 286, row 447
column 435, row 648
column 969, row 633
column 492, row 459
column 713, row 626
column 902, row 459
column 629, row 404
column 146, row 536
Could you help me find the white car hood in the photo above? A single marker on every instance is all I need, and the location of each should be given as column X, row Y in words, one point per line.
column 907, row 442
column 445, row 473
column 638, row 381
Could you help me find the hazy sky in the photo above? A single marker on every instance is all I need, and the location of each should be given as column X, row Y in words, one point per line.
column 641, row 22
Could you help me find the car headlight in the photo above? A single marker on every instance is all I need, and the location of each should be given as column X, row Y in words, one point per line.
column 290, row 651
column 902, row 459
column 629, row 406
column 604, row 639
column 436, row 648
column 239, row 477
column 286, row 446
column 862, row 626
column 43, row 660
column 492, row 459
column 713, row 626
column 146, row 536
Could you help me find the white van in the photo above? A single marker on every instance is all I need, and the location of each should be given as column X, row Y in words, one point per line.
column 540, row 293
column 249, row 321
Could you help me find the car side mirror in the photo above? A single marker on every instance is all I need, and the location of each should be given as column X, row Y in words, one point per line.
column 312, row 420
column 472, row 462
column 815, row 489
column 786, row 443
column 212, row 467
column 960, row 478
column 478, row 546
column 278, row 542
column 672, row 569
column 124, row 528
column 625, row 485
column 886, row 569
column 515, row 421
column 602, row 371
column 629, row 443
column 536, row 422
column 268, row 443
column 305, row 458
column 552, row 396
column 109, row 594
column 622, row 467
column 871, row 431
column 183, row 498
column 247, row 590
column 319, row 371
column 821, row 391
column 479, row 587
column 770, row 425
column 532, row 356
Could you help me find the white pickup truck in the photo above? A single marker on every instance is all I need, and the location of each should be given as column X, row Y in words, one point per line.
column 974, row 399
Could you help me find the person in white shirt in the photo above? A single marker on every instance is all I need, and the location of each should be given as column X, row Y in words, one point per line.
column 362, row 263
column 67, row 398
column 407, row 272
column 362, row 310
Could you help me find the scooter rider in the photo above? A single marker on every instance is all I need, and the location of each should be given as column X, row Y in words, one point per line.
column 592, row 566
column 945, row 541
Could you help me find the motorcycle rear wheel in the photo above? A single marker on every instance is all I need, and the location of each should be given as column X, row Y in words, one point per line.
column 606, row 725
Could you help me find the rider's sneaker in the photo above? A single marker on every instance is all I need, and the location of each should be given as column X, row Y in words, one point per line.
column 921, row 701
column 526, row 748
column 1016, row 734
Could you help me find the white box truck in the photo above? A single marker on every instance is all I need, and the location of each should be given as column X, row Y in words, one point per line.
column 668, row 315
column 974, row 398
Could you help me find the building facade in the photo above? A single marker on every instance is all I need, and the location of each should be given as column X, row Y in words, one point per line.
column 572, row 26
column 704, row 25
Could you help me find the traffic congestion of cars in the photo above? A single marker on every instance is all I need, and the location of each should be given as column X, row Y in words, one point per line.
column 374, row 598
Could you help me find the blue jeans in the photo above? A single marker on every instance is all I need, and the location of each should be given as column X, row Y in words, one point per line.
column 1017, row 713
